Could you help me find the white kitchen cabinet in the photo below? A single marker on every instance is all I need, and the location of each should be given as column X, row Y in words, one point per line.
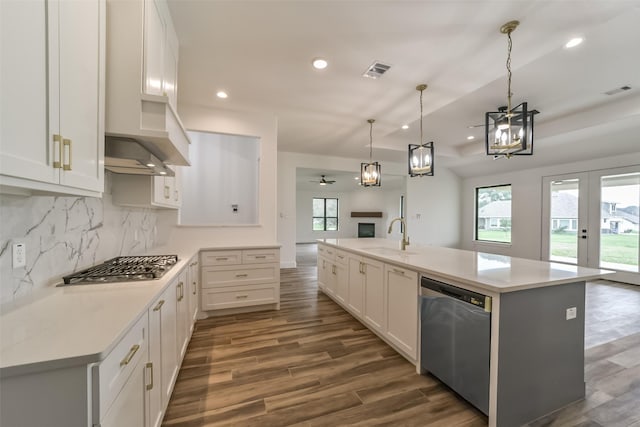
column 163, row 192
column 341, row 279
column 194, row 295
column 142, row 64
column 183, row 316
column 169, row 342
column 401, row 290
column 52, row 103
column 366, row 291
column 324, row 270
column 240, row 278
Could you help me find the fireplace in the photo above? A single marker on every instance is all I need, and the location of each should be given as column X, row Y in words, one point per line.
column 366, row 229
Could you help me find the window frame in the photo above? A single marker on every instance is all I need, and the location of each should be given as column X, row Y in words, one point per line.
column 487, row 222
column 325, row 217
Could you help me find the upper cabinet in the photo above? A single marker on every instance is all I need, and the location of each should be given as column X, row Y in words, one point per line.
column 143, row 43
column 52, row 96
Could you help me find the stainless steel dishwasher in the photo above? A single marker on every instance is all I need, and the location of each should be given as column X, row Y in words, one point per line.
column 455, row 339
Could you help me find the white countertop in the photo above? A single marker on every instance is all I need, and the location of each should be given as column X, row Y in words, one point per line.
column 489, row 272
column 80, row 324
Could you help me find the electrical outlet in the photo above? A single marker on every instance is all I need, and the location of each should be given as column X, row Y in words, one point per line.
column 572, row 312
column 19, row 255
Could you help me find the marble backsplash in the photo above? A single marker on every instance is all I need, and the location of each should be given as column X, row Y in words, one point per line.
column 65, row 234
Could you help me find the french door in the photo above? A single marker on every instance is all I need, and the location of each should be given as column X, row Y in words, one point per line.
column 591, row 219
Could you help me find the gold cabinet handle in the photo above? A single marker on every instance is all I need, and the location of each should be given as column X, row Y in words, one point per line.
column 222, row 259
column 159, row 305
column 181, row 288
column 401, row 272
column 67, row 143
column 129, row 356
column 260, row 256
column 195, row 288
column 150, row 367
column 241, row 275
column 242, row 296
column 57, row 140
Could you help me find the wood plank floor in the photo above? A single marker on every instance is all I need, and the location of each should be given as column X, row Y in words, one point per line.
column 312, row 364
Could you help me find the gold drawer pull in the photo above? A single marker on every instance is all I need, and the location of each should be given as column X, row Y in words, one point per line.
column 67, row 143
column 222, row 259
column 195, row 288
column 241, row 275
column 401, row 272
column 150, row 366
column 129, row 356
column 260, row 256
column 181, row 288
column 242, row 296
column 159, row 305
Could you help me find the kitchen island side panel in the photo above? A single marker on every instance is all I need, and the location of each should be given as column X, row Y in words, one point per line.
column 541, row 353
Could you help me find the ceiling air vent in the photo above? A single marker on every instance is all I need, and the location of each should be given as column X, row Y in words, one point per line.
column 617, row 90
column 375, row 70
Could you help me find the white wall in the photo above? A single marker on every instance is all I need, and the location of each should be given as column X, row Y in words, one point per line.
column 224, row 172
column 359, row 200
column 526, row 204
column 434, row 209
column 263, row 126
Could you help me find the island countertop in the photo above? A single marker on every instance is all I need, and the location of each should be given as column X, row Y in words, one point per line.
column 489, row 272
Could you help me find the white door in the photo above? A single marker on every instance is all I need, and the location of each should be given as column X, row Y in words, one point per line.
column 592, row 220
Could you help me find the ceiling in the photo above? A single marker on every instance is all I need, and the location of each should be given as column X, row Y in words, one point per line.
column 307, row 180
column 260, row 52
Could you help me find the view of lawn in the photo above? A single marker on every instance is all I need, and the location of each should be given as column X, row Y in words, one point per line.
column 615, row 248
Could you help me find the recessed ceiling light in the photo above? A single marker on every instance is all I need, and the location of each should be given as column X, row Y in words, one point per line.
column 405, row 126
column 320, row 64
column 470, row 137
column 151, row 165
column 222, row 94
column 574, row 42
column 163, row 173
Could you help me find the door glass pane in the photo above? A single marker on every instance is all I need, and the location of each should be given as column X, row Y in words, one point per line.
column 563, row 240
column 620, row 201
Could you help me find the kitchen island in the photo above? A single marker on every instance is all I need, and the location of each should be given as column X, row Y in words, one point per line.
column 537, row 314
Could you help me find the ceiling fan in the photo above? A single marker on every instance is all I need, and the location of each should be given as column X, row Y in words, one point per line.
column 324, row 181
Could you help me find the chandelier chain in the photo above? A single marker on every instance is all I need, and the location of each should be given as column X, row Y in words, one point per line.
column 370, row 141
column 421, row 116
column 509, row 74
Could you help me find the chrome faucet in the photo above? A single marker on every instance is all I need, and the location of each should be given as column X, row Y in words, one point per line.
column 405, row 240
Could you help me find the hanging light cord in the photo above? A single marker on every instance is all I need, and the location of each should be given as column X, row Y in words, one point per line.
column 370, row 141
column 509, row 74
column 421, row 117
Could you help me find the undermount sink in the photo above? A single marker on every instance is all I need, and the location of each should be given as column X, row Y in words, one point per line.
column 388, row 251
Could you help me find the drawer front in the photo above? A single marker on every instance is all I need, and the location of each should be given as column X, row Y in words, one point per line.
column 260, row 256
column 230, row 276
column 239, row 296
column 116, row 368
column 327, row 252
column 341, row 257
column 221, row 257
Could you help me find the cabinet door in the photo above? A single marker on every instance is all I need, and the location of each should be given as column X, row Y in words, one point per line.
column 128, row 409
column 26, row 150
column 170, row 77
column 165, row 192
column 168, row 343
column 182, row 314
column 80, row 103
column 154, row 41
column 356, row 286
column 401, row 291
column 154, row 395
column 341, row 283
column 331, row 279
column 194, row 294
column 323, row 271
column 374, row 296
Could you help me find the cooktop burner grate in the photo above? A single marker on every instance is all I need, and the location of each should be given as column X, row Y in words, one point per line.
column 124, row 269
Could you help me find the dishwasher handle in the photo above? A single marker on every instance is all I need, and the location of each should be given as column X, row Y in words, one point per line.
column 465, row 295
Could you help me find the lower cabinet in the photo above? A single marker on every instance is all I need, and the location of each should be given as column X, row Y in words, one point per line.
column 240, row 278
column 401, row 290
column 384, row 297
column 194, row 294
column 183, row 317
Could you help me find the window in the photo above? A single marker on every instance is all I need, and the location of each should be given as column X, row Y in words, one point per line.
column 325, row 214
column 493, row 213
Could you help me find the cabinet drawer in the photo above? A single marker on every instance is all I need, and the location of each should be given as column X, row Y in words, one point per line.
column 340, row 257
column 260, row 256
column 221, row 258
column 326, row 252
column 234, row 275
column 114, row 371
column 239, row 296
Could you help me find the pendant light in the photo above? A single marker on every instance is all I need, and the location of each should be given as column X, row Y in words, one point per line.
column 421, row 155
column 370, row 172
column 509, row 131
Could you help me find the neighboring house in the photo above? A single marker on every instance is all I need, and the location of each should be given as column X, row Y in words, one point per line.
column 564, row 215
column 495, row 215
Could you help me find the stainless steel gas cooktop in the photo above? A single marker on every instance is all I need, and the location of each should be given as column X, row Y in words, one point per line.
column 123, row 269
